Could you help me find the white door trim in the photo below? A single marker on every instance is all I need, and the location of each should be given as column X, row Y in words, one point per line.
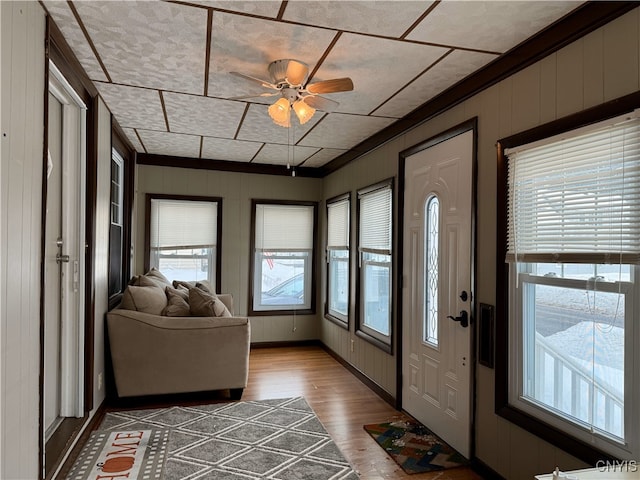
column 74, row 207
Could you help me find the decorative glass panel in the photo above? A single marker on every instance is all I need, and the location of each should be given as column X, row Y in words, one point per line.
column 431, row 254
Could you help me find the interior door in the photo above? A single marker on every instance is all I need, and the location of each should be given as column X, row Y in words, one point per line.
column 436, row 293
column 53, row 271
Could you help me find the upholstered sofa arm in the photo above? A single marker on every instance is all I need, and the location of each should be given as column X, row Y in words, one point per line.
column 153, row 354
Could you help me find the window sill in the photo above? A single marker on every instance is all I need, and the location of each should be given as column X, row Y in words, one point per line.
column 375, row 341
column 274, row 313
column 341, row 323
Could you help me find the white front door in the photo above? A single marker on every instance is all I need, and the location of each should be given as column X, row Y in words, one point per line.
column 436, row 293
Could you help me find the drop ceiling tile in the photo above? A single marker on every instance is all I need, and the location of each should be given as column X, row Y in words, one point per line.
column 283, row 154
column 264, row 8
column 322, row 157
column 257, row 126
column 198, row 115
column 444, row 74
column 154, row 44
column 373, row 65
column 133, row 138
column 247, row 45
column 132, row 106
column 66, row 22
column 386, row 18
column 344, row 131
column 232, row 150
column 166, row 143
column 494, row 26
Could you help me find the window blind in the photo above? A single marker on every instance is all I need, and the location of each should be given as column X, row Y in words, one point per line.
column 183, row 224
column 284, row 227
column 375, row 221
column 338, row 225
column 576, row 197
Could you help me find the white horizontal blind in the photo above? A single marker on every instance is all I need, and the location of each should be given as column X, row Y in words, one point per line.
column 183, row 223
column 576, row 198
column 375, row 221
column 338, row 225
column 284, row 227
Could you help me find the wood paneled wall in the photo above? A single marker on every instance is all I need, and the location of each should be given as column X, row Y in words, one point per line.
column 602, row 66
column 236, row 191
column 23, row 87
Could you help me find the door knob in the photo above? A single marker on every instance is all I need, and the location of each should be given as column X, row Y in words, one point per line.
column 463, row 319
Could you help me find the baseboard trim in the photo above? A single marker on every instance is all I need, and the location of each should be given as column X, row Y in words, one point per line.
column 377, row 389
column 484, row 470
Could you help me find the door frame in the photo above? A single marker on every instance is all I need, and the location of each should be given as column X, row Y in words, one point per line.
column 471, row 124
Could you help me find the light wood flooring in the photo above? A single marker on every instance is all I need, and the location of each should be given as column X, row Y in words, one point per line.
column 341, row 401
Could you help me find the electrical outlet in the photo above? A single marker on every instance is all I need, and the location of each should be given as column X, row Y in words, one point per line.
column 100, row 381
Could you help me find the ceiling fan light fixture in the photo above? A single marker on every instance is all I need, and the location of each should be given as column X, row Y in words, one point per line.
column 280, row 112
column 303, row 111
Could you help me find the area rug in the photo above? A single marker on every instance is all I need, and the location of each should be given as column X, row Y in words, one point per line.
column 414, row 447
column 278, row 439
column 130, row 454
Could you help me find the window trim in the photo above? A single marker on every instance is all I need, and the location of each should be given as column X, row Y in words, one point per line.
column 342, row 322
column 194, row 198
column 386, row 346
column 312, row 259
column 559, row 438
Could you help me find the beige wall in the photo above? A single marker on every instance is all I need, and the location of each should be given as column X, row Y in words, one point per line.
column 602, row 66
column 236, row 190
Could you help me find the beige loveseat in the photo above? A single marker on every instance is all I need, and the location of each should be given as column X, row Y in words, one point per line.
column 157, row 354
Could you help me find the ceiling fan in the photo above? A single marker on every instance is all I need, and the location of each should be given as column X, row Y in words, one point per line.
column 288, row 79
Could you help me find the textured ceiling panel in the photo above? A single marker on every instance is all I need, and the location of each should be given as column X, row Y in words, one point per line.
column 202, row 115
column 133, row 107
column 284, row 154
column 338, row 130
column 263, row 8
column 372, row 64
column 444, row 74
column 156, row 71
column 323, row 156
column 176, row 144
column 232, row 150
column 247, row 45
column 152, row 44
column 494, row 26
column 386, row 18
column 64, row 18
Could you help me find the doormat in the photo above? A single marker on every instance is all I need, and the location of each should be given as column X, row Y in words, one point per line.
column 414, row 447
column 130, row 454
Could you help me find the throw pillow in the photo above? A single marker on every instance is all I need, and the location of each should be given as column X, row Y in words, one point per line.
column 204, row 285
column 145, row 297
column 205, row 304
column 184, row 284
column 177, row 303
column 157, row 276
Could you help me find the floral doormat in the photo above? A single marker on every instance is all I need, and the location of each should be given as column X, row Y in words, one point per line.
column 414, row 447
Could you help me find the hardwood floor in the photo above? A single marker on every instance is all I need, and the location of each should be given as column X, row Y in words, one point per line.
column 343, row 404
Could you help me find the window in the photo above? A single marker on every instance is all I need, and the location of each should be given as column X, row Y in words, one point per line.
column 184, row 237
column 116, row 239
column 374, row 250
column 573, row 255
column 431, row 271
column 338, row 259
column 283, row 257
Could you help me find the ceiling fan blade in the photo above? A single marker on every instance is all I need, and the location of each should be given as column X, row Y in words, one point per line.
column 331, row 86
column 321, row 103
column 296, row 72
column 264, row 83
column 244, row 97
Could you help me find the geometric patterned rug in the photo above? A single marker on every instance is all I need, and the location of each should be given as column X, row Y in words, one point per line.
column 278, row 439
column 414, row 447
